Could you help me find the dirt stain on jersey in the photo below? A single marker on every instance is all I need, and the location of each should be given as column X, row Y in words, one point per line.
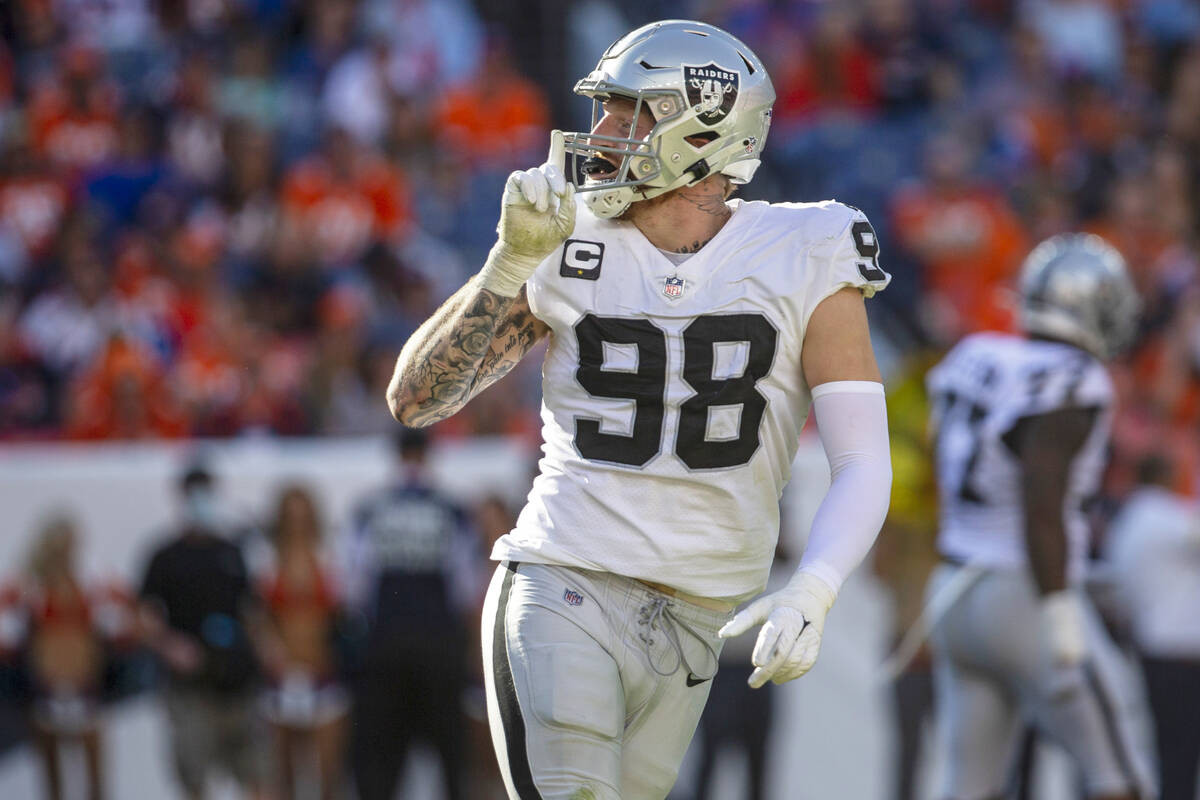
column 584, row 793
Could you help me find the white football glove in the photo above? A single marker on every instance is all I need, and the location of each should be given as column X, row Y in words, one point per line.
column 1063, row 628
column 536, row 214
column 789, row 640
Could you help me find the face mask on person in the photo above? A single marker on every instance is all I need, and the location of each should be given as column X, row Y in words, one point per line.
column 200, row 508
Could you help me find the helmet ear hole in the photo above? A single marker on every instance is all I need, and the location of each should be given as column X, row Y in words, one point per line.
column 702, row 139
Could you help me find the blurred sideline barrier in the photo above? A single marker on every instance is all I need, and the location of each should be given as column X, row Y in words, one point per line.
column 124, row 499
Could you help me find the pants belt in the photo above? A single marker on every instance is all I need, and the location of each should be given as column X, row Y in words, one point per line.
column 704, row 602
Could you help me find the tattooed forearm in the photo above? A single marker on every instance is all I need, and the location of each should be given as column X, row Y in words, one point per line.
column 514, row 338
column 468, row 344
column 438, row 364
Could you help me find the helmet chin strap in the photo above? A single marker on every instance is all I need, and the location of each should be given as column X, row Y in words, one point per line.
column 609, row 203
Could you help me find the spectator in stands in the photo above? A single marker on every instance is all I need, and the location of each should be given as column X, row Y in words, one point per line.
column 1081, row 36
column 431, row 43
column 195, row 598
column 495, row 119
column 249, row 90
column 344, row 197
column 73, row 113
column 831, row 71
column 117, row 186
column 64, row 634
column 1153, row 549
column 966, row 238
column 307, row 702
column 65, row 326
column 417, row 569
column 122, row 395
column 33, row 198
column 247, row 195
column 193, row 131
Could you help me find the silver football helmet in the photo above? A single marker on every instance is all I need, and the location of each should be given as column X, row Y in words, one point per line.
column 698, row 82
column 1074, row 287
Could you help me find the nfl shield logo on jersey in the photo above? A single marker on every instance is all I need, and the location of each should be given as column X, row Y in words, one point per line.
column 673, row 287
column 572, row 597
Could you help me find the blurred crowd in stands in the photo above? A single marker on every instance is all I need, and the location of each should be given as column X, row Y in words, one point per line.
column 221, row 217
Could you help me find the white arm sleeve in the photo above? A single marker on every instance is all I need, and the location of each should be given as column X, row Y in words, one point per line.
column 852, row 420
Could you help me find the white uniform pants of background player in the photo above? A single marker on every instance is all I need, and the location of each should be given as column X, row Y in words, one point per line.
column 991, row 680
column 595, row 682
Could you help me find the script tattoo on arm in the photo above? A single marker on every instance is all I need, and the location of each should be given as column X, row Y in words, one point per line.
column 471, row 342
column 515, row 336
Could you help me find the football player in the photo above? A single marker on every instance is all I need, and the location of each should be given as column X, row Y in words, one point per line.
column 689, row 334
column 1022, row 425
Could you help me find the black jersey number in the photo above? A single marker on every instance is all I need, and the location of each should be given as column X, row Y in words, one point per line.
column 646, row 386
column 970, row 414
column 868, row 247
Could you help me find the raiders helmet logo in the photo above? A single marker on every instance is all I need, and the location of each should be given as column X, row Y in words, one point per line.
column 711, row 91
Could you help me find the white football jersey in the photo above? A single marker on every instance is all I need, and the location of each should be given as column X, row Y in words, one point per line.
column 673, row 395
column 980, row 390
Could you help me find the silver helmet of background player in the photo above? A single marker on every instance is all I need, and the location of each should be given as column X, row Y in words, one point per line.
column 698, row 82
column 1075, row 288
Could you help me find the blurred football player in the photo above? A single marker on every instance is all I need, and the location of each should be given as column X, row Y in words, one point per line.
column 689, row 334
column 1022, row 425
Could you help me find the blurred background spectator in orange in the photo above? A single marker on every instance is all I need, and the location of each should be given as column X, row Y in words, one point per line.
column 965, row 237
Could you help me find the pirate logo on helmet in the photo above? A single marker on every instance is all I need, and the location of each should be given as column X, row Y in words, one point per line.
column 711, row 91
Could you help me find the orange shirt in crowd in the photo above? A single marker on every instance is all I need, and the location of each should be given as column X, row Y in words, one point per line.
column 79, row 133
column 344, row 213
column 970, row 245
column 844, row 77
column 122, row 395
column 494, row 123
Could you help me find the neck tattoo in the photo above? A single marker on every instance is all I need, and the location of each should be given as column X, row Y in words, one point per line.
column 694, row 247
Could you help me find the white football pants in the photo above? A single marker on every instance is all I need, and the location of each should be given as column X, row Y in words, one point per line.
column 595, row 682
column 991, row 680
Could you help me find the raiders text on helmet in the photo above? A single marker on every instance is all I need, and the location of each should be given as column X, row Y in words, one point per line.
column 1074, row 287
column 698, row 82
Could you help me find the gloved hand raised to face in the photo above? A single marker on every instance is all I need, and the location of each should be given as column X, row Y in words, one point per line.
column 790, row 637
column 536, row 214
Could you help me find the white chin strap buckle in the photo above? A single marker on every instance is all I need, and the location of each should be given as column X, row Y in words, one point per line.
column 608, row 203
